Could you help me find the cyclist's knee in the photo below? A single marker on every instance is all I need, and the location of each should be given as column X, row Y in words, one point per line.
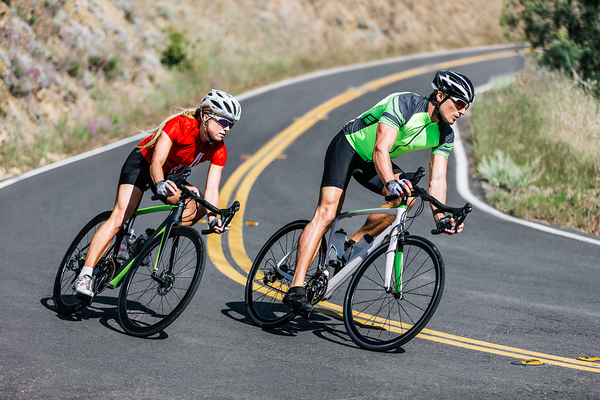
column 192, row 214
column 114, row 224
column 324, row 216
column 117, row 218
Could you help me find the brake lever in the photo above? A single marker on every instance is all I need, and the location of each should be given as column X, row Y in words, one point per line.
column 227, row 215
column 462, row 216
column 179, row 180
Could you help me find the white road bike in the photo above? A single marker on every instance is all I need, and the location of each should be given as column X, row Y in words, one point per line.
column 396, row 282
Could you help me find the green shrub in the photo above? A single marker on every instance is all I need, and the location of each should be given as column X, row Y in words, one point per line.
column 109, row 67
column 567, row 31
column 175, row 55
column 502, row 171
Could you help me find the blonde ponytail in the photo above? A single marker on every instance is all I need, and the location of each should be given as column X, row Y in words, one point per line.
column 184, row 112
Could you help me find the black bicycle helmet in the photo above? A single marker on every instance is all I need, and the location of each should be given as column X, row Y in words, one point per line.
column 453, row 83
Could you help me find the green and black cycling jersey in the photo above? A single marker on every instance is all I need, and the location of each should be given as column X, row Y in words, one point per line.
column 408, row 113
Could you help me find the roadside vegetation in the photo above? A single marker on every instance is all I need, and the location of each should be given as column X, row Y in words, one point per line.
column 536, row 138
column 536, row 143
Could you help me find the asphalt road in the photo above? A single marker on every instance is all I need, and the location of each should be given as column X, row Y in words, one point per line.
column 512, row 293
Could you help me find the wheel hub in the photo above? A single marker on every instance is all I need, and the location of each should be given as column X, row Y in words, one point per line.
column 166, row 282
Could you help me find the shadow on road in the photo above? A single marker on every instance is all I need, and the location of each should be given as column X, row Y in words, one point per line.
column 323, row 324
column 104, row 309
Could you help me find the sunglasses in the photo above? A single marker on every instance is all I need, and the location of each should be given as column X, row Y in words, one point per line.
column 225, row 123
column 460, row 104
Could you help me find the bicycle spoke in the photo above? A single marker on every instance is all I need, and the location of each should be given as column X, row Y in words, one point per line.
column 65, row 300
column 151, row 299
column 378, row 319
column 266, row 286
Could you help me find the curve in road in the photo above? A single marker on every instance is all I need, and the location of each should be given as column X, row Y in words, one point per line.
column 242, row 180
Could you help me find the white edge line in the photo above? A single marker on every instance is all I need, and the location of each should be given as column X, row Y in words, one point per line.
column 71, row 160
column 462, row 185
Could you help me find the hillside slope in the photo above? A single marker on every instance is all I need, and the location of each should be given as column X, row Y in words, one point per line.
column 79, row 73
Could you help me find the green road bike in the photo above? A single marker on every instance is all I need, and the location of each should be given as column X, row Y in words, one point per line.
column 396, row 282
column 159, row 277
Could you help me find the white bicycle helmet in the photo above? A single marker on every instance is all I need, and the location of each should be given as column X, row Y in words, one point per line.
column 453, row 83
column 222, row 103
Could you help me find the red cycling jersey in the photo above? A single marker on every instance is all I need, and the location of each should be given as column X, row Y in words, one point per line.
column 187, row 149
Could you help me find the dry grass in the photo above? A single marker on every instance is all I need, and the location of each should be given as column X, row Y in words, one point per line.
column 95, row 69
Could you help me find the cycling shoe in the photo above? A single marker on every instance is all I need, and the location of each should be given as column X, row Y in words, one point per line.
column 295, row 298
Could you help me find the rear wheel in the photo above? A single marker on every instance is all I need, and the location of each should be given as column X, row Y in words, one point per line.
column 65, row 300
column 162, row 281
column 271, row 274
column 382, row 320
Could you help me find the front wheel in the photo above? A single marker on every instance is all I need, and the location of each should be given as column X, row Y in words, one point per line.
column 64, row 296
column 271, row 274
column 161, row 282
column 379, row 319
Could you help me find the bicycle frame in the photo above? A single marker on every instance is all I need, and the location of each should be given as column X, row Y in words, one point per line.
column 174, row 218
column 162, row 231
column 393, row 232
column 393, row 253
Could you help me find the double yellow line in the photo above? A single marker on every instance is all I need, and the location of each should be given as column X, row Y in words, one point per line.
column 244, row 177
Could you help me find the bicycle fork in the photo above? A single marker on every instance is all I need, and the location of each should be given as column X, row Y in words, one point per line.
column 394, row 257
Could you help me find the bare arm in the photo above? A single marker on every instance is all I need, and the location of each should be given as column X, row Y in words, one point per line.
column 438, row 186
column 386, row 136
column 438, row 167
column 211, row 192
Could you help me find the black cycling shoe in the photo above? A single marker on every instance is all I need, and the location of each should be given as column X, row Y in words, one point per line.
column 295, row 298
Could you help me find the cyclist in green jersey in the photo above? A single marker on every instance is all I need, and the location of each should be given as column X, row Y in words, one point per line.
column 398, row 124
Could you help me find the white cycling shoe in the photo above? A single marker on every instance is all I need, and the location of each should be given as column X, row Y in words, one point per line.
column 83, row 286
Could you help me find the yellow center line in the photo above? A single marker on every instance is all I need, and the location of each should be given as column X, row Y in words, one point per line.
column 244, row 177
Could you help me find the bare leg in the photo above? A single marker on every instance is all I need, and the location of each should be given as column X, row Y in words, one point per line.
column 330, row 202
column 375, row 223
column 128, row 198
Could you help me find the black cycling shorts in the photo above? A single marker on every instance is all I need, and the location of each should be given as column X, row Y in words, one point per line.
column 136, row 171
column 342, row 162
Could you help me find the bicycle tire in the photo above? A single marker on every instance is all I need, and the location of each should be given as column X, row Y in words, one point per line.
column 65, row 300
column 149, row 303
column 380, row 321
column 265, row 287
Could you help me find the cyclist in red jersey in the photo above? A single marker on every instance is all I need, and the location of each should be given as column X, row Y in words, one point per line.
column 189, row 138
